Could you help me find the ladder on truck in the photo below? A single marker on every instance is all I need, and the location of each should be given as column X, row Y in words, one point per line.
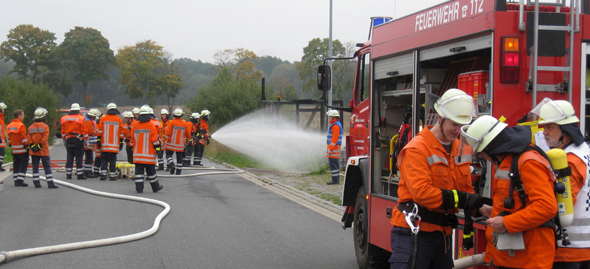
column 573, row 27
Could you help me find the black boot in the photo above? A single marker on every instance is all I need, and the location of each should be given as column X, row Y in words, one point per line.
column 51, row 185
column 37, row 184
column 20, row 183
column 113, row 179
column 172, row 167
column 156, row 186
column 81, row 177
column 103, row 177
column 139, row 187
column 68, row 176
column 161, row 167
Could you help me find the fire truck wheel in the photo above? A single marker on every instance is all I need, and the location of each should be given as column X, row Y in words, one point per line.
column 367, row 255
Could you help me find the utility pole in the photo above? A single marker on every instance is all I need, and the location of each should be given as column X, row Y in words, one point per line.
column 330, row 55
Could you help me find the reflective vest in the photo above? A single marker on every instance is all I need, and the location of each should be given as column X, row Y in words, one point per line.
column 73, row 126
column 91, row 128
column 110, row 130
column 334, row 146
column 2, row 131
column 39, row 134
column 144, row 136
column 164, row 125
column 579, row 230
column 176, row 135
column 127, row 133
column 540, row 206
column 17, row 132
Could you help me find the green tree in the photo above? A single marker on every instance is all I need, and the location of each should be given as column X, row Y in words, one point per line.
column 29, row 47
column 138, row 66
column 19, row 94
column 57, row 77
column 87, row 55
column 239, row 61
column 313, row 56
column 169, row 79
column 227, row 98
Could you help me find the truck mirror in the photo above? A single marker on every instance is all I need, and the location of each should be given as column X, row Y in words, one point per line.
column 324, row 78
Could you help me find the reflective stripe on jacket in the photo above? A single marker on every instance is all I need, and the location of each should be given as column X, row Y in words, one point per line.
column 334, row 142
column 144, row 136
column 17, row 132
column 426, row 168
column 176, row 135
column 39, row 134
column 110, row 129
column 541, row 205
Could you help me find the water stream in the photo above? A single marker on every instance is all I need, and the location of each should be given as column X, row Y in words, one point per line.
column 277, row 143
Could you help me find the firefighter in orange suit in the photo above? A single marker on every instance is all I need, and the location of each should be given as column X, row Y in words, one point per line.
column 202, row 133
column 189, row 149
column 164, row 115
column 334, row 143
column 146, row 144
column 17, row 133
column 90, row 146
column 435, row 179
column 39, row 137
column 509, row 218
column 110, row 141
column 3, row 136
column 74, row 134
column 561, row 130
column 97, row 163
column 176, row 137
column 128, row 119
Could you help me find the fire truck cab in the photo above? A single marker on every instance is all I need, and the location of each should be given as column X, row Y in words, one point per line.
column 507, row 55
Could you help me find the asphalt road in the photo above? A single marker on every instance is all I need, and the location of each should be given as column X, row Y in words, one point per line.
column 216, row 221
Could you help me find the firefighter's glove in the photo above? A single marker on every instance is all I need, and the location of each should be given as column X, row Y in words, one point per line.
column 121, row 146
column 467, row 241
column 208, row 141
column 458, row 199
column 158, row 148
column 36, row 147
column 27, row 146
column 98, row 144
column 127, row 140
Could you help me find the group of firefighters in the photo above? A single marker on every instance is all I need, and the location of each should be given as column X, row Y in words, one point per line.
column 435, row 180
column 94, row 142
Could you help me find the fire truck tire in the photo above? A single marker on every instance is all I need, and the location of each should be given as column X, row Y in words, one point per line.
column 367, row 255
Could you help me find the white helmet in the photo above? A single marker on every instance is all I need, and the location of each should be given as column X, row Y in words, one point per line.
column 93, row 112
column 40, row 113
column 144, row 110
column 205, row 112
column 111, row 106
column 75, row 106
column 457, row 106
column 3, row 105
column 195, row 115
column 164, row 111
column 151, row 111
column 481, row 132
column 135, row 110
column 128, row 114
column 177, row 112
column 559, row 112
column 333, row 113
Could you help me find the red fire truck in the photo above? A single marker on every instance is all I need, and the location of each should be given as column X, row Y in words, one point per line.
column 508, row 55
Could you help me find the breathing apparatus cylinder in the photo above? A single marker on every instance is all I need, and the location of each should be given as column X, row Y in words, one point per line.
column 565, row 205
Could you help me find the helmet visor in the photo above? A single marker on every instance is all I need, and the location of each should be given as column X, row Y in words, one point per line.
column 459, row 108
column 475, row 142
column 552, row 114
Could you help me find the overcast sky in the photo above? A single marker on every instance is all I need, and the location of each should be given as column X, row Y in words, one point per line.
column 197, row 29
